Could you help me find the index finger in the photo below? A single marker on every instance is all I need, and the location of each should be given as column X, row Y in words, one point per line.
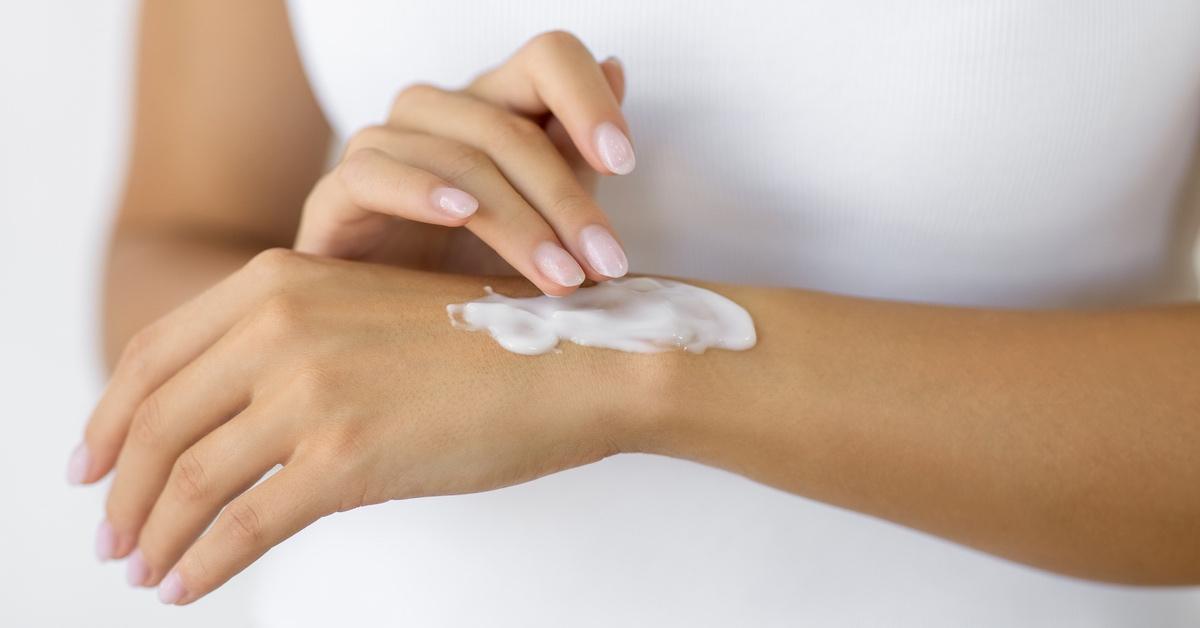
column 554, row 73
column 164, row 348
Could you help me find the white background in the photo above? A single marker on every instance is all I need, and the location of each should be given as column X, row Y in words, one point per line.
column 64, row 70
column 63, row 90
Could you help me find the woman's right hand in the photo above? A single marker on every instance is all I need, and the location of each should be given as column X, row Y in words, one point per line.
column 512, row 157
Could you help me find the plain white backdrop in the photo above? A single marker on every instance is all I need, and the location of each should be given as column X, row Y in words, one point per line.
column 64, row 82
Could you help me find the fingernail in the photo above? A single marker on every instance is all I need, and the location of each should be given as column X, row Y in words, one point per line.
column 603, row 252
column 171, row 590
column 455, row 202
column 106, row 541
column 78, row 465
column 614, row 60
column 136, row 571
column 557, row 264
column 615, row 150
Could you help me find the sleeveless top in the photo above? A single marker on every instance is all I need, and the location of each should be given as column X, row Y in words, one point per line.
column 1012, row 153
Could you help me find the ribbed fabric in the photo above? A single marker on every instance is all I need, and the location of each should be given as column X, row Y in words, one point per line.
column 1013, row 152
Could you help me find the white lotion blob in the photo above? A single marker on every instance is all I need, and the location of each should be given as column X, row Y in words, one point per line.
column 636, row 314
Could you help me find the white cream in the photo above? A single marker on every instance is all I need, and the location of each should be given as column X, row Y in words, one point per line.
column 637, row 314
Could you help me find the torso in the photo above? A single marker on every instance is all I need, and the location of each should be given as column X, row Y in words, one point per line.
column 983, row 153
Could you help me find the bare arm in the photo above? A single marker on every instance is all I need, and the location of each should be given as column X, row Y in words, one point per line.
column 229, row 143
column 1065, row 440
column 228, row 140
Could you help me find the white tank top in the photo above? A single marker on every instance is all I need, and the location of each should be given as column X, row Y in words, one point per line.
column 1011, row 153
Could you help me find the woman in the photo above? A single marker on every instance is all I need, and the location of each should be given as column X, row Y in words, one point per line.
column 940, row 190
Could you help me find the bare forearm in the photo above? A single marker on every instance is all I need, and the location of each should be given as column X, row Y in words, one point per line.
column 150, row 271
column 1066, row 440
column 227, row 141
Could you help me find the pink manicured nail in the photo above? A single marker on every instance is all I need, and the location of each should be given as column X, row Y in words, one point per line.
column 615, row 150
column 106, row 541
column 602, row 251
column 136, row 571
column 78, row 465
column 557, row 264
column 455, row 202
column 171, row 590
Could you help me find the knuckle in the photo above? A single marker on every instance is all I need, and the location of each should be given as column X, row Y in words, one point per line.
column 367, row 137
column 311, row 387
column 412, row 94
column 243, row 523
column 281, row 316
column 354, row 171
column 508, row 129
column 341, row 458
column 189, row 478
column 135, row 357
column 340, row 443
column 464, row 163
column 573, row 205
column 149, row 426
column 554, row 40
column 276, row 266
column 342, row 449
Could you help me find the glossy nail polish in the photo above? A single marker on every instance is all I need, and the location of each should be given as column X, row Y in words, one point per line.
column 614, row 148
column 136, row 570
column 171, row 590
column 557, row 265
column 106, row 541
column 454, row 202
column 78, row 465
column 603, row 252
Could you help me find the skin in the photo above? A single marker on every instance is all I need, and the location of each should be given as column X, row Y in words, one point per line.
column 1064, row 440
column 529, row 178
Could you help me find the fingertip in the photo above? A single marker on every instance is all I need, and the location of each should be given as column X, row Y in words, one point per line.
column 614, row 148
column 79, row 465
column 454, row 203
column 171, row 591
column 87, row 465
column 559, row 267
column 603, row 253
column 106, row 542
column 124, row 537
column 123, row 546
column 557, row 292
column 596, row 277
column 137, row 572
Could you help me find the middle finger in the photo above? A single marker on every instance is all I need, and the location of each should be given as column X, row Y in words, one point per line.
column 200, row 397
column 531, row 163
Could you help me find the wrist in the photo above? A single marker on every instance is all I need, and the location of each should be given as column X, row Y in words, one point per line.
column 667, row 403
column 692, row 406
column 656, row 401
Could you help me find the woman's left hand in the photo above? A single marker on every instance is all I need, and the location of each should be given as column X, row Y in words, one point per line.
column 351, row 377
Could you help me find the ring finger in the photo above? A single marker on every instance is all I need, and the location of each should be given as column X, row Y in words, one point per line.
column 221, row 466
